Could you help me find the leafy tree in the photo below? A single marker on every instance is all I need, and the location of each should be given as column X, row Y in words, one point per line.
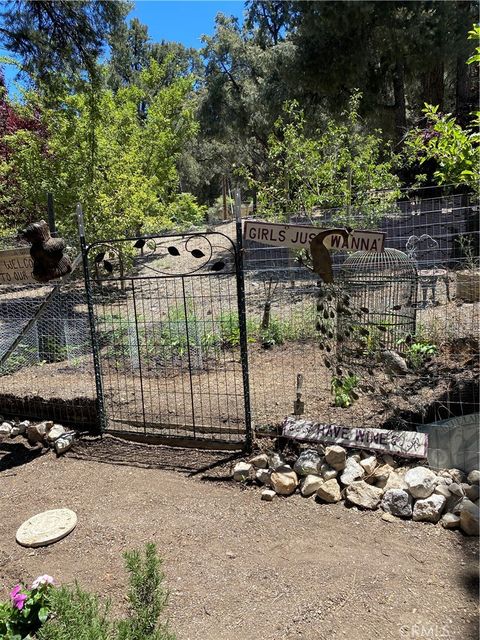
column 119, row 162
column 340, row 167
column 60, row 36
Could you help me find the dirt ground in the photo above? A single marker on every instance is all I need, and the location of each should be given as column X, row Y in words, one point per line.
column 238, row 568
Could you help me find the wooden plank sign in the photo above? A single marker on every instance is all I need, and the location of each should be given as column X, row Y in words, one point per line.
column 16, row 267
column 299, row 236
column 408, row 444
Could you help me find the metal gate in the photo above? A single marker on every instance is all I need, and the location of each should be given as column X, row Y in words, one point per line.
column 169, row 334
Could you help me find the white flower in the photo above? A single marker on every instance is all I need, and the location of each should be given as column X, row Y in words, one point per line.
column 42, row 580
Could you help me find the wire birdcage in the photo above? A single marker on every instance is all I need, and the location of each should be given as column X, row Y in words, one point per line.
column 382, row 290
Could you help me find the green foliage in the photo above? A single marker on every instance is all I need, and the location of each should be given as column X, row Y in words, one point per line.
column 79, row 615
column 474, row 34
column 418, row 352
column 339, row 166
column 26, row 611
column 343, row 390
column 147, row 598
column 454, row 150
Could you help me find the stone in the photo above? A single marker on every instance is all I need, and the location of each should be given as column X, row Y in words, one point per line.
column 55, row 432
column 310, row 484
column 356, row 457
column 369, row 464
column 420, row 482
column 457, row 475
column 64, row 443
column 364, row 495
column 396, row 480
column 442, row 490
column 241, row 471
column 445, row 480
column 275, row 460
column 329, row 491
column 268, row 495
column 380, row 475
column 327, row 472
column 388, row 459
column 308, row 462
column 5, row 430
column 263, row 476
column 397, row 502
column 450, row 521
column 388, row 517
column 457, row 504
column 36, row 433
column 353, row 471
column 14, row 432
column 429, row 509
column 474, row 477
column 473, row 492
column 336, row 457
column 469, row 518
column 284, row 480
column 456, row 490
column 260, row 461
column 46, row 528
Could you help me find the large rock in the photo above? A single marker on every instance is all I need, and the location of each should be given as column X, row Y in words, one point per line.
column 380, row 475
column 369, row 464
column 55, row 432
column 64, row 443
column 327, row 472
column 260, row 461
column 284, row 480
column 329, row 491
column 242, row 471
column 275, row 460
column 353, row 471
column 336, row 457
column 5, row 430
column 310, row 484
column 263, row 476
column 450, row 521
column 395, row 480
column 397, row 502
column 37, row 433
column 474, row 477
column 429, row 509
column 420, row 482
column 308, row 462
column 457, row 475
column 456, row 489
column 364, row 495
column 473, row 492
column 469, row 518
column 387, row 459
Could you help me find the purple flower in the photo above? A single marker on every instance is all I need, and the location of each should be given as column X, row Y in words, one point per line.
column 45, row 579
column 17, row 598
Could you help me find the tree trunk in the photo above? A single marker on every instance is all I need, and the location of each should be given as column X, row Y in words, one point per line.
column 434, row 85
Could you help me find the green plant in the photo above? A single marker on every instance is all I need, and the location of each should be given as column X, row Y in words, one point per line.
column 26, row 611
column 343, row 390
column 472, row 260
column 418, row 352
column 274, row 334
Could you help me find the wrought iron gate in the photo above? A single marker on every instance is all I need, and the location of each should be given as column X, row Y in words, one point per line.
column 169, row 334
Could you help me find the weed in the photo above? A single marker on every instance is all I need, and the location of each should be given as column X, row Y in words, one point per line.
column 343, row 390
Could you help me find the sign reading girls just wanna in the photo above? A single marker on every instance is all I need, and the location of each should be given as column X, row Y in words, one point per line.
column 299, row 236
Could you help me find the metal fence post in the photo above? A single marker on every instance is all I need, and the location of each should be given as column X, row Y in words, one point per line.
column 91, row 319
column 242, row 321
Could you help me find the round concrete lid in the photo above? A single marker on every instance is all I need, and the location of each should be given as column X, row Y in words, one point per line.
column 46, row 528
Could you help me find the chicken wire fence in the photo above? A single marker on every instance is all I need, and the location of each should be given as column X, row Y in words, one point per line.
column 50, row 371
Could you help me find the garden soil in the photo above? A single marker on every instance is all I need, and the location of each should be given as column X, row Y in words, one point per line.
column 236, row 568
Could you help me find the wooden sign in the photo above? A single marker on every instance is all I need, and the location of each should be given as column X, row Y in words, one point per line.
column 408, row 444
column 16, row 267
column 299, row 236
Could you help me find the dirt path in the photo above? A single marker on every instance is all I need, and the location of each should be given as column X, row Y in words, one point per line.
column 238, row 568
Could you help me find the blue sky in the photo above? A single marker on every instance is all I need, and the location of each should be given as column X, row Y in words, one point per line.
column 182, row 21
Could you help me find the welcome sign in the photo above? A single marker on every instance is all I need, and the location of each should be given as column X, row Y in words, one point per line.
column 299, row 236
column 408, row 444
column 16, row 267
